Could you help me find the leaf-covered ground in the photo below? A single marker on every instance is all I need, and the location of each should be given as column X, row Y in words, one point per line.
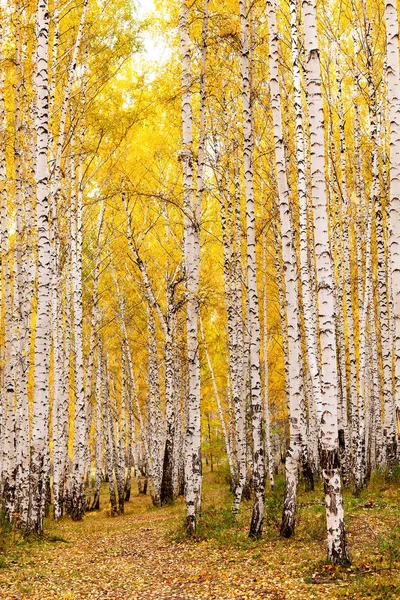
column 145, row 555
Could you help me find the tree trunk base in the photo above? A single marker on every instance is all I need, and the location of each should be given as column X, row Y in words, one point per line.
column 167, row 487
column 191, row 525
column 337, row 539
column 257, row 518
column 290, row 501
column 96, row 502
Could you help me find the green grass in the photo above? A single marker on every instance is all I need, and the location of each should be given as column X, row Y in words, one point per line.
column 373, row 534
column 372, row 521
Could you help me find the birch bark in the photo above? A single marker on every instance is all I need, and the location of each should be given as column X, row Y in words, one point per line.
column 267, row 419
column 193, row 470
column 39, row 440
column 7, row 482
column 109, row 441
column 337, row 544
column 23, row 272
column 78, row 502
column 97, row 482
column 122, row 440
column 154, row 408
column 257, row 518
column 393, row 86
column 241, row 359
column 292, row 332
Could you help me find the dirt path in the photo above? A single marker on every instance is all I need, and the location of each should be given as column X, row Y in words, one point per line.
column 134, row 556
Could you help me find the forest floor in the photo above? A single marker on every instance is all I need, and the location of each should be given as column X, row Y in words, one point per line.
column 145, row 555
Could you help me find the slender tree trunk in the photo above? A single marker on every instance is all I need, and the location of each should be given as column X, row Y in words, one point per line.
column 344, row 438
column 393, row 86
column 193, row 470
column 360, row 455
column 132, row 386
column 220, row 413
column 78, row 501
column 291, row 325
column 267, row 417
column 59, row 446
column 240, row 363
column 39, row 473
column 130, row 434
column 89, row 385
column 7, row 481
column 97, row 482
column 167, row 486
column 309, row 322
column 122, row 438
column 155, row 435
column 109, row 442
column 257, row 518
column 23, row 275
column 329, row 441
column 167, row 324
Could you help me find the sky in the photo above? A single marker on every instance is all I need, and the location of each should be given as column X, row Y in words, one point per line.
column 145, row 6
column 155, row 48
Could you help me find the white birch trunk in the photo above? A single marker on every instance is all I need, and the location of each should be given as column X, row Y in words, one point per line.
column 360, row 448
column 193, row 470
column 344, row 439
column 133, row 452
column 56, row 174
column 78, row 502
column 23, row 275
column 77, row 507
column 393, row 86
column 241, row 365
column 121, row 440
column 267, row 419
column 3, row 245
column 59, row 441
column 97, row 482
column 167, row 484
column 130, row 432
column 7, row 451
column 39, row 440
column 155, row 434
column 109, row 441
column 290, row 321
column 337, row 544
column 94, row 323
column 238, row 475
column 254, row 320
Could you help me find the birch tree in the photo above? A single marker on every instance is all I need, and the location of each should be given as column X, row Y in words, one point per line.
column 329, row 443
column 293, row 383
column 254, row 322
column 193, row 470
column 393, row 78
column 39, row 473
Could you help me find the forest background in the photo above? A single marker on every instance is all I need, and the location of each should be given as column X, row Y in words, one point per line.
column 200, row 222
